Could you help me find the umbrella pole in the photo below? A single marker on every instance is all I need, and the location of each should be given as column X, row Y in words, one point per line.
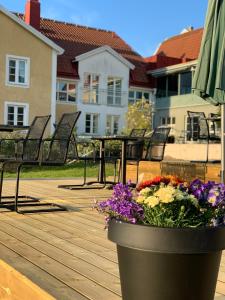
column 222, row 172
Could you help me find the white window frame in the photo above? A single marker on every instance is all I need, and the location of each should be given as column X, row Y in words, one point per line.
column 92, row 123
column 26, row 84
column 114, row 91
column 17, row 104
column 91, row 90
column 111, row 129
column 135, row 99
column 57, row 91
column 171, row 124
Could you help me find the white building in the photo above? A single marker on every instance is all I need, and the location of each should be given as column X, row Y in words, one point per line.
column 99, row 73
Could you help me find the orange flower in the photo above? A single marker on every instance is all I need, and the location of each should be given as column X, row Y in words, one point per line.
column 168, row 179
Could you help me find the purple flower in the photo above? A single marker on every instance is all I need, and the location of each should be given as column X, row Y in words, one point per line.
column 201, row 190
column 216, row 195
column 121, row 205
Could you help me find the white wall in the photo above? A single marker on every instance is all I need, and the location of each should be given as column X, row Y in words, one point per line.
column 105, row 65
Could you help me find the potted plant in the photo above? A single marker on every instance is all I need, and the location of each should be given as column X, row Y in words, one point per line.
column 169, row 236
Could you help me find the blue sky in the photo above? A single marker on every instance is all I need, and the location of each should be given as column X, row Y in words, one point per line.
column 143, row 24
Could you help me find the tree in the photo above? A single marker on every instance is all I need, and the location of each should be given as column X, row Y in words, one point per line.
column 139, row 115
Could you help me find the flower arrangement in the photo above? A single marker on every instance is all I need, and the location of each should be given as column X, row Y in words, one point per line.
column 167, row 202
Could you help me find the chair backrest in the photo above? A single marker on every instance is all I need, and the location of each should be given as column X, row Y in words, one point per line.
column 213, row 127
column 60, row 141
column 136, row 132
column 198, row 128
column 33, row 139
column 157, row 142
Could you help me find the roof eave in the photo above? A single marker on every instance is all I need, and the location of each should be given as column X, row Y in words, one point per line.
column 32, row 30
column 172, row 69
column 103, row 49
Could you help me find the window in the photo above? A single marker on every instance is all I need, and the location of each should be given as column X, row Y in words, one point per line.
column 162, row 87
column 169, row 121
column 91, row 123
column 66, row 91
column 91, row 88
column 17, row 71
column 132, row 98
column 135, row 96
column 112, row 124
column 16, row 114
column 175, row 84
column 114, row 91
column 185, row 83
column 192, row 128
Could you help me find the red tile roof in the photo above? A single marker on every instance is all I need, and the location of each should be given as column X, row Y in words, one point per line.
column 76, row 40
column 185, row 46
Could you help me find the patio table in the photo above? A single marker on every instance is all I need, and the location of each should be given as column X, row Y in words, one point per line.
column 124, row 140
column 11, row 128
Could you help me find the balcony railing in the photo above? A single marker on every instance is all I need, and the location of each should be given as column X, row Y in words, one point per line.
column 102, row 97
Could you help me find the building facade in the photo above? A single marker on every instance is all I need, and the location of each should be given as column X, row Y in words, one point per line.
column 101, row 75
column 26, row 91
column 173, row 68
column 98, row 73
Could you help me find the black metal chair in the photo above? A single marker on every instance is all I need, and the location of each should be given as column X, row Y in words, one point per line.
column 138, row 132
column 134, row 150
column 15, row 149
column 157, row 143
column 155, row 148
column 51, row 152
column 198, row 129
column 214, row 119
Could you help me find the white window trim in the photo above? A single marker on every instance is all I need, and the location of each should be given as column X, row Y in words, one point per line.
column 114, row 91
column 91, row 89
column 171, row 125
column 67, row 81
column 26, row 111
column 27, row 71
column 92, row 119
column 135, row 95
column 112, row 123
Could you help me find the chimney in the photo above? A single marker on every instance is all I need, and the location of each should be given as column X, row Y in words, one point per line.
column 33, row 13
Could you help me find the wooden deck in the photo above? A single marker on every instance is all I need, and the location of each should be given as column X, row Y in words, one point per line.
column 65, row 253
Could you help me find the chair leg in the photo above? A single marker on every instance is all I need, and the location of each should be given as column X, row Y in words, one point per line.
column 115, row 166
column 85, row 172
column 1, row 182
column 137, row 174
column 207, row 151
column 119, row 171
column 17, row 186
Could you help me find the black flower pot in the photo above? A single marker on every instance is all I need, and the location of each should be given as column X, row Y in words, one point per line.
column 167, row 263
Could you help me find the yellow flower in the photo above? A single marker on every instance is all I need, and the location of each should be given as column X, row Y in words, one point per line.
column 140, row 199
column 145, row 192
column 165, row 194
column 152, row 201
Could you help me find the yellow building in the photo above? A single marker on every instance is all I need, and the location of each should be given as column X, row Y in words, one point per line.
column 28, row 65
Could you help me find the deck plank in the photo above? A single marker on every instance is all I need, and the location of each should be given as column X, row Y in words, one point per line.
column 66, row 253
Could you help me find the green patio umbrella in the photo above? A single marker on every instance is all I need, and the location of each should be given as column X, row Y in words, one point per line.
column 209, row 78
